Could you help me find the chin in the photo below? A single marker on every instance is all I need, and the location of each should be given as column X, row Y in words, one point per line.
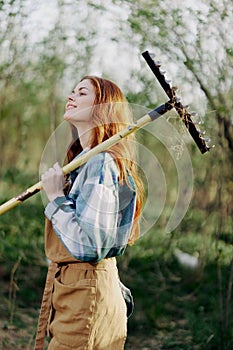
column 67, row 117
column 69, row 120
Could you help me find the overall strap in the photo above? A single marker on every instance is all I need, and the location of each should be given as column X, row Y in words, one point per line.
column 45, row 307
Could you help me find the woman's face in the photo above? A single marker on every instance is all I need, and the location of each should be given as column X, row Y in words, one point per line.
column 80, row 102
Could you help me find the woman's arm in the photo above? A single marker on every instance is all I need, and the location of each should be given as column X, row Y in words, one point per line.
column 86, row 220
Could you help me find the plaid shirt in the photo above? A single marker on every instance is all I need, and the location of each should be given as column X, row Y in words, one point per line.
column 95, row 219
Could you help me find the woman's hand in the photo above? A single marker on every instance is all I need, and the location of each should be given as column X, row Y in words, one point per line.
column 53, row 182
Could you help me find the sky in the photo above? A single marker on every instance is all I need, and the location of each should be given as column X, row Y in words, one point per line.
column 116, row 58
column 113, row 57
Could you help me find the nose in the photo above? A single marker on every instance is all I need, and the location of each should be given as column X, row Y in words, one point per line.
column 71, row 97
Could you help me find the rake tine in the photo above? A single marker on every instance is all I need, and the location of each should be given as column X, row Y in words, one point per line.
column 185, row 116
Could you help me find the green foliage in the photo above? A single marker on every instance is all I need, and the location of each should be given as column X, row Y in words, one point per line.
column 29, row 231
column 21, row 229
column 175, row 303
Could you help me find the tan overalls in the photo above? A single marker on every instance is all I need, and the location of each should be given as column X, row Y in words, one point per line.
column 87, row 309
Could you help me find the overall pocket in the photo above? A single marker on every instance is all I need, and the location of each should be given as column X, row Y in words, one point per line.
column 74, row 306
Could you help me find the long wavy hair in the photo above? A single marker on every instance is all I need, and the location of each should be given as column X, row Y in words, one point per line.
column 111, row 114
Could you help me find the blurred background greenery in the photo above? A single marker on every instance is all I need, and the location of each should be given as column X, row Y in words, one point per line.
column 181, row 281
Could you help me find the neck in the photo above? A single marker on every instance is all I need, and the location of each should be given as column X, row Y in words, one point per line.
column 84, row 135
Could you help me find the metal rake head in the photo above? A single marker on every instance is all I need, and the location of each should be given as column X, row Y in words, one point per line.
column 186, row 117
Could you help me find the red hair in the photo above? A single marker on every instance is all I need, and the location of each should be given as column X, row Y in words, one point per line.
column 111, row 114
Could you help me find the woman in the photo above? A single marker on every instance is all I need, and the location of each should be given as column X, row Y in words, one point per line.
column 91, row 222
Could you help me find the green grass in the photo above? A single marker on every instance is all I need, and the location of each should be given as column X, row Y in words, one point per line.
column 178, row 307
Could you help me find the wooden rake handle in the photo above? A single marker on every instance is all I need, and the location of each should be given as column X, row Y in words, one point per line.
column 74, row 164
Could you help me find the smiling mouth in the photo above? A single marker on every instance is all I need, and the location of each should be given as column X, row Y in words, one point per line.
column 70, row 106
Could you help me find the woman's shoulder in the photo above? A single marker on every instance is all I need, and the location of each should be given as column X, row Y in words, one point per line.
column 101, row 163
column 102, row 159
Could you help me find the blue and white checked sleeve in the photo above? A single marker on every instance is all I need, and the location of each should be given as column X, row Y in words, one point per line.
column 86, row 220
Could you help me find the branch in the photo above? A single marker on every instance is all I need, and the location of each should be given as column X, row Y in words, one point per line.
column 221, row 119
